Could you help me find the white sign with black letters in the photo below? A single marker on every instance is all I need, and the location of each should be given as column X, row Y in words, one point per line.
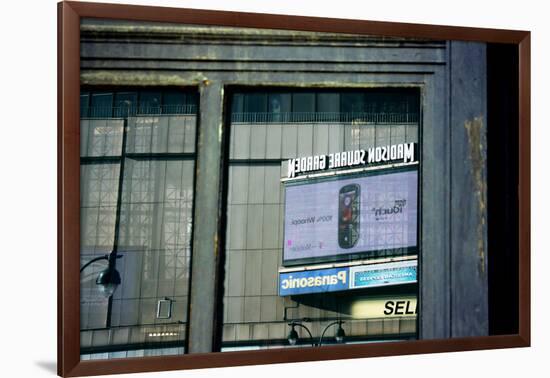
column 403, row 152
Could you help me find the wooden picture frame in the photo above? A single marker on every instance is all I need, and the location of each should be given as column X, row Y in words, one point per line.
column 69, row 79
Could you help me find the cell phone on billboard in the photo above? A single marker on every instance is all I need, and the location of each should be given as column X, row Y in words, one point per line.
column 348, row 215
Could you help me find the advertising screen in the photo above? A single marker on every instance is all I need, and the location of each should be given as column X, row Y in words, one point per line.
column 346, row 216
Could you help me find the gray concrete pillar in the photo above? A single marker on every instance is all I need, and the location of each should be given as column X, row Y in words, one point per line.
column 205, row 255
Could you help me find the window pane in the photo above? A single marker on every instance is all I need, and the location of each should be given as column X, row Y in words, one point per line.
column 101, row 137
column 303, row 102
column 137, row 204
column 237, row 103
column 173, row 103
column 149, row 103
column 102, row 105
column 125, row 104
column 279, row 103
column 279, row 106
column 84, row 104
column 328, row 102
column 353, row 102
column 177, row 102
column 192, row 102
column 255, row 103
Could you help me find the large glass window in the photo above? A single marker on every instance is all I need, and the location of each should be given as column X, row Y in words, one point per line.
column 257, row 310
column 137, row 177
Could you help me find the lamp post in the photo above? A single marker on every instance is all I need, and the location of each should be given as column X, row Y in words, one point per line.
column 107, row 280
column 340, row 334
column 293, row 335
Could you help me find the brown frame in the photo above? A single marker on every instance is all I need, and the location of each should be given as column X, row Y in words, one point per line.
column 69, row 14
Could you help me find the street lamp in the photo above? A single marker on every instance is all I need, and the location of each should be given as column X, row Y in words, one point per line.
column 340, row 334
column 108, row 281
column 293, row 335
column 109, row 278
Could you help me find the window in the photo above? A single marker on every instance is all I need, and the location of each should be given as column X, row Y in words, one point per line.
column 137, row 179
column 256, row 312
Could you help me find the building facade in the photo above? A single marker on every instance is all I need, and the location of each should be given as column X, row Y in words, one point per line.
column 187, row 134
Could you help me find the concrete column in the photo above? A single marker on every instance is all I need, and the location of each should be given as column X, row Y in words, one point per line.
column 453, row 277
column 468, row 285
column 205, row 255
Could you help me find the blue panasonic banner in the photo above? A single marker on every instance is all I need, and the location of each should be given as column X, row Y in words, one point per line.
column 346, row 278
column 313, row 281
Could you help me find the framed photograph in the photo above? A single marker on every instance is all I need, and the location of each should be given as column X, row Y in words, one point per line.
column 239, row 188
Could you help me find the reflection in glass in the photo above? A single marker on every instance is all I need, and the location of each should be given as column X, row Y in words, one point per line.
column 256, row 314
column 137, row 177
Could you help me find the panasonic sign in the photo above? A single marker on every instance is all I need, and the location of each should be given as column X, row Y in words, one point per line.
column 313, row 281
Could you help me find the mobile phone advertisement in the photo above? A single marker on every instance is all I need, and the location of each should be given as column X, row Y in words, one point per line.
column 350, row 215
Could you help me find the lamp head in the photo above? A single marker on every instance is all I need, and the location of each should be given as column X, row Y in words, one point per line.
column 340, row 334
column 108, row 281
column 292, row 336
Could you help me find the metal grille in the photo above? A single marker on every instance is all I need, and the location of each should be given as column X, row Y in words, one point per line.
column 326, row 117
column 126, row 111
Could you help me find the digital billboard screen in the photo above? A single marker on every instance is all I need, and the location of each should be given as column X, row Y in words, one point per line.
column 350, row 216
